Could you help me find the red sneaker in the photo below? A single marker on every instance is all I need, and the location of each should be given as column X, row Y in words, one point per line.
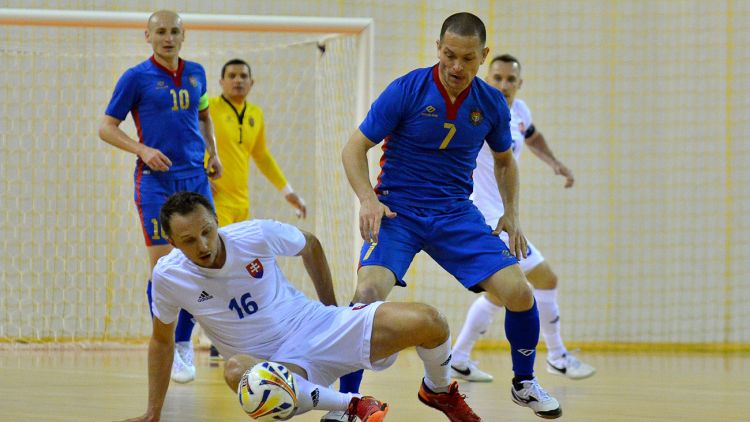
column 367, row 409
column 451, row 403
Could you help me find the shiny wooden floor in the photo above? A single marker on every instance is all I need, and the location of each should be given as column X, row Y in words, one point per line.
column 105, row 385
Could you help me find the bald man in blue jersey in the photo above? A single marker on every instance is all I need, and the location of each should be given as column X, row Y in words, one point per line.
column 168, row 100
column 432, row 123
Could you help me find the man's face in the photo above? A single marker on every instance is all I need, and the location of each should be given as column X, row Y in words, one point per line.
column 236, row 82
column 196, row 235
column 165, row 34
column 506, row 77
column 460, row 58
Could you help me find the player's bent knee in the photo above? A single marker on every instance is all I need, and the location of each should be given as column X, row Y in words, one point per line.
column 367, row 293
column 551, row 281
column 433, row 324
column 521, row 298
column 542, row 277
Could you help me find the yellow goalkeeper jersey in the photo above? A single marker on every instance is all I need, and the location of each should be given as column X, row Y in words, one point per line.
column 240, row 134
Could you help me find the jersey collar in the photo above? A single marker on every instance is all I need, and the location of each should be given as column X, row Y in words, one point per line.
column 176, row 75
column 451, row 109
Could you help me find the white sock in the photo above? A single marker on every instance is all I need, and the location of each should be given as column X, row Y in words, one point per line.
column 437, row 375
column 316, row 397
column 478, row 319
column 549, row 322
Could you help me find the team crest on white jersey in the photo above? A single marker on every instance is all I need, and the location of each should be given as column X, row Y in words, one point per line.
column 255, row 268
column 522, row 128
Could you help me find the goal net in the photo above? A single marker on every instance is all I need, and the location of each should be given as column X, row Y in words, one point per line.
column 73, row 266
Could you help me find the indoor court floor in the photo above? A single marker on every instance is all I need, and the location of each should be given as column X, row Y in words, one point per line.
column 107, row 385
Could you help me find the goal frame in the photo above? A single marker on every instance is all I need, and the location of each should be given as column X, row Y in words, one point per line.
column 362, row 28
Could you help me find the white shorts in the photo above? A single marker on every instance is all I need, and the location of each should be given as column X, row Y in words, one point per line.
column 333, row 342
column 533, row 256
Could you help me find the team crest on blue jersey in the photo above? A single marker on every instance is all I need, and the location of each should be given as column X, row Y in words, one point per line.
column 193, row 81
column 161, row 85
column 476, row 117
column 255, row 268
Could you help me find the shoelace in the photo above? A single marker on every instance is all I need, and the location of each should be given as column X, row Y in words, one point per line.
column 185, row 355
column 536, row 390
column 351, row 410
column 461, row 402
column 572, row 361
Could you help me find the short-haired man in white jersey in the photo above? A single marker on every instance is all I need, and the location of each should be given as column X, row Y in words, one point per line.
column 229, row 280
column 505, row 74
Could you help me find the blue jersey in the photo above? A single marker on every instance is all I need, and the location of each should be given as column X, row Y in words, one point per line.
column 164, row 105
column 430, row 144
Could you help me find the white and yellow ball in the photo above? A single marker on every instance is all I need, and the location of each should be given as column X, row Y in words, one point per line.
column 268, row 392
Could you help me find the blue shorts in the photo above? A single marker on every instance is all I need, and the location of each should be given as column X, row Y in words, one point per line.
column 152, row 191
column 459, row 240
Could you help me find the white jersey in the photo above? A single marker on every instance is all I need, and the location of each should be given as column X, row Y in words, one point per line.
column 486, row 196
column 248, row 305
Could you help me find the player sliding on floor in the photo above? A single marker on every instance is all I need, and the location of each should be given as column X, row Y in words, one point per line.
column 229, row 280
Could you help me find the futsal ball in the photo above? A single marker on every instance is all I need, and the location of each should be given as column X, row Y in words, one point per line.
column 267, row 392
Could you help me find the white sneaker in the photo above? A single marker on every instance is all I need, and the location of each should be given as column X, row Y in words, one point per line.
column 533, row 396
column 469, row 372
column 569, row 366
column 183, row 369
column 335, row 416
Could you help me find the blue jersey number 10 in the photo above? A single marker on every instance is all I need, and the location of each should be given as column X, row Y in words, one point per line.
column 181, row 99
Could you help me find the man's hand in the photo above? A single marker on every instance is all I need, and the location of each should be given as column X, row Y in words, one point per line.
column 154, row 159
column 561, row 170
column 370, row 213
column 516, row 240
column 214, row 167
column 298, row 203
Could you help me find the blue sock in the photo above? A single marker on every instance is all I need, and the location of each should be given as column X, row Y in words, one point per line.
column 184, row 329
column 148, row 295
column 522, row 331
column 349, row 383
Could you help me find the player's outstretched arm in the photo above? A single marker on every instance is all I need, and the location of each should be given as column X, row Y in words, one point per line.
column 506, row 175
column 160, row 356
column 270, row 168
column 538, row 145
column 110, row 132
column 317, row 268
column 214, row 166
column 354, row 158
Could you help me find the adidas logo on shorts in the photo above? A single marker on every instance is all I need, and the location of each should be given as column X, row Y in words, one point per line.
column 204, row 296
